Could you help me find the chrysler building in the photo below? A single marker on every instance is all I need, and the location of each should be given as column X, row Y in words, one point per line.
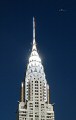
column 34, row 98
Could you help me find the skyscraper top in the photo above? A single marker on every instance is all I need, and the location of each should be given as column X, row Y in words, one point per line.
column 36, row 104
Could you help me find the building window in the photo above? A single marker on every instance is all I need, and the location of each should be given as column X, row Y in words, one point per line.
column 36, row 87
column 36, row 81
column 36, row 93
column 36, row 102
column 30, row 115
column 36, row 106
column 36, row 84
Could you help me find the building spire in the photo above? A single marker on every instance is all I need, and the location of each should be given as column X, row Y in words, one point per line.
column 34, row 42
column 22, row 97
column 33, row 30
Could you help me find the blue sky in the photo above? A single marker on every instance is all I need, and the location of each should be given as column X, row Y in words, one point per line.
column 56, row 43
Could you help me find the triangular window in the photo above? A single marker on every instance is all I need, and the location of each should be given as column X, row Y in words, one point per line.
column 39, row 71
column 35, row 70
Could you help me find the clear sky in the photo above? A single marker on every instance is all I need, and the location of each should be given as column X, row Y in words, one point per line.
column 56, row 43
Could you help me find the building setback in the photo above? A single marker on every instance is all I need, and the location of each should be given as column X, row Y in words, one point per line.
column 34, row 99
